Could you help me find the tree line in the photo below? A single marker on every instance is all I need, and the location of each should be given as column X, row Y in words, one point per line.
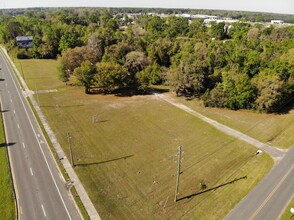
column 236, row 66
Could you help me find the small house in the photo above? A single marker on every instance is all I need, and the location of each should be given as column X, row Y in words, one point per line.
column 24, row 41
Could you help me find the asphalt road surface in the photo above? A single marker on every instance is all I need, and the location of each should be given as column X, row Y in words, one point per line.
column 269, row 198
column 40, row 189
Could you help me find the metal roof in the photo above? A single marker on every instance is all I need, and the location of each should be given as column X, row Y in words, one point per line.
column 24, row 38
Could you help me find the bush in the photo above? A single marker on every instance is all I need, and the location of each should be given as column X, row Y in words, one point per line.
column 202, row 186
column 23, row 55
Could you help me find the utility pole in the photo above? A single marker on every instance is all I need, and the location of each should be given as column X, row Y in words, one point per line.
column 22, row 71
column 179, row 172
column 70, row 149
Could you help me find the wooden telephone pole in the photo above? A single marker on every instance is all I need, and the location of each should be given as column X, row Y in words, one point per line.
column 70, row 149
column 179, row 172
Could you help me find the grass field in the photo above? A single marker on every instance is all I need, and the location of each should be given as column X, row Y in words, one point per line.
column 7, row 211
column 127, row 160
column 287, row 214
column 39, row 74
column 274, row 129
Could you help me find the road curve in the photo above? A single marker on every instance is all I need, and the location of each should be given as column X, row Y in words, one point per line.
column 40, row 189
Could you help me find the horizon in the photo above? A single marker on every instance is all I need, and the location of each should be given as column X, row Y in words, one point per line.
column 126, row 7
column 261, row 6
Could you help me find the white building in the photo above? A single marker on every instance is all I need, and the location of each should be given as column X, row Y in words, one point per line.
column 277, row 22
column 188, row 16
column 207, row 21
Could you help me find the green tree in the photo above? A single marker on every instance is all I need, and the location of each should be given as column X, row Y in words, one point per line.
column 69, row 40
column 252, row 63
column 189, row 77
column 176, row 26
column 243, row 94
column 150, row 75
column 161, row 51
column 217, row 55
column 239, row 31
column 110, row 76
column 14, row 29
column 73, row 58
column 197, row 29
column 218, row 30
column 85, row 74
column 156, row 26
column 117, row 52
column 270, row 90
column 216, row 97
column 136, row 61
column 50, row 41
column 234, row 92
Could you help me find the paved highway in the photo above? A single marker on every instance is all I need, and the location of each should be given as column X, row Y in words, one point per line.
column 40, row 188
column 269, row 198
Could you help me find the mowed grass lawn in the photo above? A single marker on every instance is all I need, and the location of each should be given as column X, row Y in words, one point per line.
column 287, row 214
column 39, row 74
column 7, row 210
column 274, row 129
column 127, row 160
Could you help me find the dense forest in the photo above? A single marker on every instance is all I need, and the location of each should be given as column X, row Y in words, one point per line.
column 238, row 66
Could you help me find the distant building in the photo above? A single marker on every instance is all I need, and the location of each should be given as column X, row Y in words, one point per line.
column 208, row 21
column 213, row 17
column 188, row 16
column 199, row 16
column 24, row 41
column 277, row 21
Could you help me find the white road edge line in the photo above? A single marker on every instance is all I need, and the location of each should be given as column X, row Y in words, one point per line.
column 43, row 210
column 17, row 90
column 31, row 171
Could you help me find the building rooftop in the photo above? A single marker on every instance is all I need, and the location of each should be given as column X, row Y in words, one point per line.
column 24, row 38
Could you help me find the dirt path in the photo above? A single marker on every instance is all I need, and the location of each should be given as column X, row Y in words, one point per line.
column 275, row 153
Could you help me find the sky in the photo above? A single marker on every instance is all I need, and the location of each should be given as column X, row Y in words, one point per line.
column 276, row 6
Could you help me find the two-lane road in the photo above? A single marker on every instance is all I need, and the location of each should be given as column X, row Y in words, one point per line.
column 40, row 189
column 269, row 198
